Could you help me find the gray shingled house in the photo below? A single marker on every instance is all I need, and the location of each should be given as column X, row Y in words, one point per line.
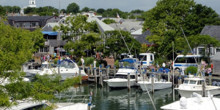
column 216, row 63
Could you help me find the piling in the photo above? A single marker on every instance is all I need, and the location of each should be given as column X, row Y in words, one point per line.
column 129, row 85
column 203, row 88
column 91, row 66
column 80, row 76
column 210, row 78
column 168, row 78
column 88, row 70
column 100, row 78
column 95, row 74
column 114, row 70
column 152, row 83
column 136, row 76
column 107, row 72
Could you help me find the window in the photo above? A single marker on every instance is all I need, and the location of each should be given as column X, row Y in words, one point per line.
column 143, row 57
column 180, row 60
column 201, row 51
column 191, row 60
column 185, row 82
column 217, row 50
column 199, row 83
column 33, row 24
column 151, row 57
column 192, row 82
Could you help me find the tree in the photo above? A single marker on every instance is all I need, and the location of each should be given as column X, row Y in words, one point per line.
column 2, row 11
column 72, row 8
column 85, row 9
column 167, row 18
column 109, row 21
column 115, row 44
column 100, row 11
column 17, row 46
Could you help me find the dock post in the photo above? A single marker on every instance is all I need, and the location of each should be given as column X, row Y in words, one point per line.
column 91, row 66
column 129, row 85
column 210, row 78
column 88, row 70
column 100, row 78
column 152, row 83
column 114, row 70
column 95, row 74
column 203, row 88
column 80, row 76
column 168, row 78
column 136, row 76
column 108, row 67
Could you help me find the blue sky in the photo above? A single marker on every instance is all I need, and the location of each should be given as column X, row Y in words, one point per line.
column 124, row 5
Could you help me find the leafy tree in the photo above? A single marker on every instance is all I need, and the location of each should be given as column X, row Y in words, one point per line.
column 113, row 13
column 63, row 11
column 109, row 21
column 72, row 8
column 115, row 44
column 137, row 11
column 100, row 11
column 167, row 18
column 2, row 11
column 30, row 10
column 17, row 46
column 85, row 9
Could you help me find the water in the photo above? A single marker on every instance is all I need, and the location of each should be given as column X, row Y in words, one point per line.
column 105, row 98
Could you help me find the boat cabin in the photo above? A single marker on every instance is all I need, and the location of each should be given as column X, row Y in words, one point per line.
column 193, row 81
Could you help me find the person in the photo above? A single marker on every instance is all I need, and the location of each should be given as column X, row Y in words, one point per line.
column 82, row 61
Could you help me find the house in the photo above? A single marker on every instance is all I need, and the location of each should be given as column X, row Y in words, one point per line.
column 31, row 22
column 213, row 31
column 216, row 62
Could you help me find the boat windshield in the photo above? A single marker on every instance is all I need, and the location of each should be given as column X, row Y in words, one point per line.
column 36, row 107
column 67, row 64
column 185, row 82
column 124, row 76
column 192, row 82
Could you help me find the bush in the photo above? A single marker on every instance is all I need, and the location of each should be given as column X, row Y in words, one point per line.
column 117, row 64
column 89, row 60
column 191, row 70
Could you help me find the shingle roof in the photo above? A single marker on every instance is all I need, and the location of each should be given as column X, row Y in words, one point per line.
column 142, row 38
column 128, row 25
column 28, row 18
column 213, row 31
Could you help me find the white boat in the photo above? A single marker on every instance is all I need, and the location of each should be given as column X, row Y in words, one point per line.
column 194, row 103
column 194, row 84
column 127, row 66
column 158, row 85
column 30, row 105
column 66, row 69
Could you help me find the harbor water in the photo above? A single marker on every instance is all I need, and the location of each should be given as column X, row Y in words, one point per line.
column 105, row 98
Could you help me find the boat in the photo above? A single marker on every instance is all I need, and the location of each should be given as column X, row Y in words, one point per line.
column 194, row 84
column 158, row 84
column 67, row 68
column 31, row 105
column 197, row 102
column 127, row 66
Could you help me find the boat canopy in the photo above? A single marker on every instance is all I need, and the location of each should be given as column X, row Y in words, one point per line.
column 129, row 60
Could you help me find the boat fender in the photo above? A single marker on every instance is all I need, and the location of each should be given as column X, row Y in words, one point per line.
column 183, row 103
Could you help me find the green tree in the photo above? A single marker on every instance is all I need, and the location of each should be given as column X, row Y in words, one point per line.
column 116, row 45
column 167, row 18
column 17, row 46
column 2, row 11
column 72, row 8
column 85, row 9
column 100, row 10
column 109, row 21
column 30, row 10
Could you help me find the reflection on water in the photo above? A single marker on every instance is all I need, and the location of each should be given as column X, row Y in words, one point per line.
column 105, row 98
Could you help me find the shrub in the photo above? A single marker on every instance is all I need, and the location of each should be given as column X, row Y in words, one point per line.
column 116, row 63
column 89, row 60
column 191, row 70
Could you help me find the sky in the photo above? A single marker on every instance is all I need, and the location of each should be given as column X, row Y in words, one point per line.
column 124, row 5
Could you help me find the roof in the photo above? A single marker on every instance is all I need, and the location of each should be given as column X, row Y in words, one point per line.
column 102, row 26
column 129, row 25
column 49, row 26
column 216, row 56
column 212, row 30
column 28, row 18
column 138, row 32
column 142, row 38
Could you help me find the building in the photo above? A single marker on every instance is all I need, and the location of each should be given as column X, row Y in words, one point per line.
column 216, row 62
column 32, row 4
column 31, row 22
column 213, row 31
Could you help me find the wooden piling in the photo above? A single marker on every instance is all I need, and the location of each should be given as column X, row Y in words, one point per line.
column 128, row 84
column 95, row 74
column 114, row 70
column 136, row 76
column 210, row 78
column 88, row 71
column 152, row 83
column 203, row 88
column 168, row 78
column 80, row 76
column 100, row 78
column 107, row 72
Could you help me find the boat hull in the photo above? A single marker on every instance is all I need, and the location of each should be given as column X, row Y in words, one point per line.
column 145, row 85
column 117, row 82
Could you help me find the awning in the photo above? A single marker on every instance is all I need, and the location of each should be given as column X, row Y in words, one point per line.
column 52, row 33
